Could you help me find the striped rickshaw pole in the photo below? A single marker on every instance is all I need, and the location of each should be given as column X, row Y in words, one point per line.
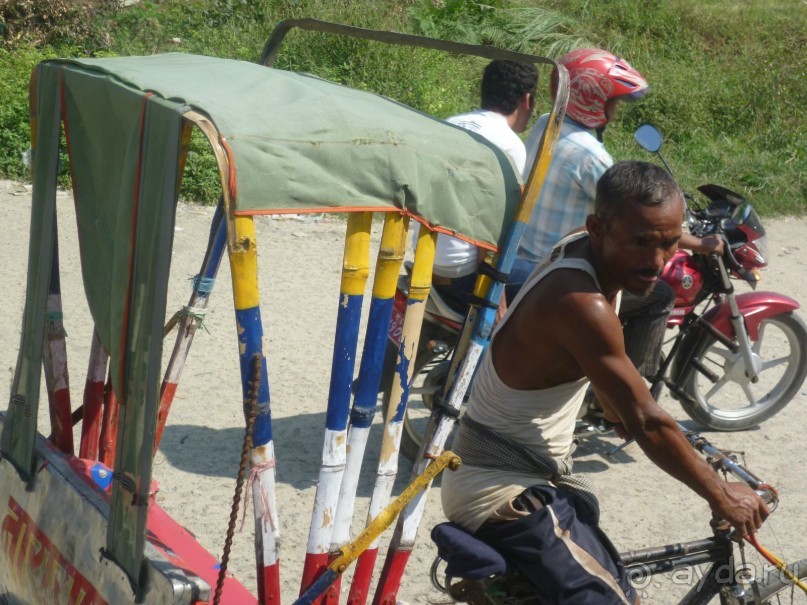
column 355, row 270
column 243, row 254
column 420, row 285
column 388, row 266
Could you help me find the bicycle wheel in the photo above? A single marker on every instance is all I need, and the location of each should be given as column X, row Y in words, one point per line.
column 778, row 589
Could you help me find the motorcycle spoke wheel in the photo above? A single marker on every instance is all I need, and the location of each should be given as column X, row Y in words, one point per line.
column 732, row 401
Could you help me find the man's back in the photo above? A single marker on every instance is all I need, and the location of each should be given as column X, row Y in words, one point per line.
column 567, row 196
column 494, row 127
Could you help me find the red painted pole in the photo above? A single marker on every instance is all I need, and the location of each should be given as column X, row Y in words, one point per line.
column 93, row 400
column 109, row 426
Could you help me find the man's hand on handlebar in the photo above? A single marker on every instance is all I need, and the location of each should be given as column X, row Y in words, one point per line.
column 709, row 244
column 744, row 510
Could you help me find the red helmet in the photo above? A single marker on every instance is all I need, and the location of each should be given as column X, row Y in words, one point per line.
column 595, row 76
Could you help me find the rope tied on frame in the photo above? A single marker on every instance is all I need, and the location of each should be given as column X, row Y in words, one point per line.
column 266, row 510
column 202, row 287
column 197, row 314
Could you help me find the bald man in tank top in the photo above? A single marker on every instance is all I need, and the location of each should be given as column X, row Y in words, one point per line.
column 515, row 489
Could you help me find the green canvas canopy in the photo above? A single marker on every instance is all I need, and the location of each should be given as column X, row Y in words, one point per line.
column 302, row 144
column 296, row 143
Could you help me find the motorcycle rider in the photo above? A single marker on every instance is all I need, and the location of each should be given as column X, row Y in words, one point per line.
column 507, row 103
column 598, row 82
column 515, row 489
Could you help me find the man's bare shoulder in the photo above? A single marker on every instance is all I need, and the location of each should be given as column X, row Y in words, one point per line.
column 540, row 344
column 566, row 293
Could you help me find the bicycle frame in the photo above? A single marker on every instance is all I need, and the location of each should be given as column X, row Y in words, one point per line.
column 718, row 551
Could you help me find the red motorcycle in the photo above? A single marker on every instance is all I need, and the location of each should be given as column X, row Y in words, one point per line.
column 734, row 361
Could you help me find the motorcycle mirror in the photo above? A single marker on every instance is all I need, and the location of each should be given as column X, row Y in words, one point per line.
column 648, row 137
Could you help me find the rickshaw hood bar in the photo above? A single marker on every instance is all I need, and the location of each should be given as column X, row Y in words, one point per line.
column 272, row 46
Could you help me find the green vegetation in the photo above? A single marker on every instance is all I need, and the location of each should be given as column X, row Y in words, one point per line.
column 728, row 85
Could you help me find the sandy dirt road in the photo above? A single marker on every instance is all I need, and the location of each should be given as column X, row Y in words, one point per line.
column 198, row 458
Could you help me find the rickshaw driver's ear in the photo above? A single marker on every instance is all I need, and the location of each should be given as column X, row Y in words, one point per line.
column 595, row 227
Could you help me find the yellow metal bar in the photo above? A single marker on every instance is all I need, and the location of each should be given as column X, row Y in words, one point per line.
column 244, row 264
column 390, row 255
column 483, row 281
column 356, row 264
column 351, row 552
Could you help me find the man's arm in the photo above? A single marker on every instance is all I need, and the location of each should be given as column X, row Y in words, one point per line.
column 594, row 338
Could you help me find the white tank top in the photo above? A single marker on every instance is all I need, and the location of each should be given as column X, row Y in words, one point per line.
column 542, row 420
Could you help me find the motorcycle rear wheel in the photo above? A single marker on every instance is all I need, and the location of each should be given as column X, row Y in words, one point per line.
column 733, row 403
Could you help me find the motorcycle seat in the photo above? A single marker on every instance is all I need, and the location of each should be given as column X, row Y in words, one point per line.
column 467, row 557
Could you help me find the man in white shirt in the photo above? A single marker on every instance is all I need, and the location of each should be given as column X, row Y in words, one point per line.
column 507, row 101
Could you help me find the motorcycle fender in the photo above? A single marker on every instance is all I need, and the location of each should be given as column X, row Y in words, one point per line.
column 754, row 307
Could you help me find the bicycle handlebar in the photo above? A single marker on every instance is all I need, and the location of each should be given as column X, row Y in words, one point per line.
column 719, row 459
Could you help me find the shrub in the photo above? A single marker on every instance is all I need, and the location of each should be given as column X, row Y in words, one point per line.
column 52, row 22
column 729, row 99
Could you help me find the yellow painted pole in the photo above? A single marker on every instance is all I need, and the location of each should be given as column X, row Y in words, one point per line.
column 243, row 254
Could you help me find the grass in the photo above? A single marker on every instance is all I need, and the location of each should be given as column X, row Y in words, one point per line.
column 728, row 90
